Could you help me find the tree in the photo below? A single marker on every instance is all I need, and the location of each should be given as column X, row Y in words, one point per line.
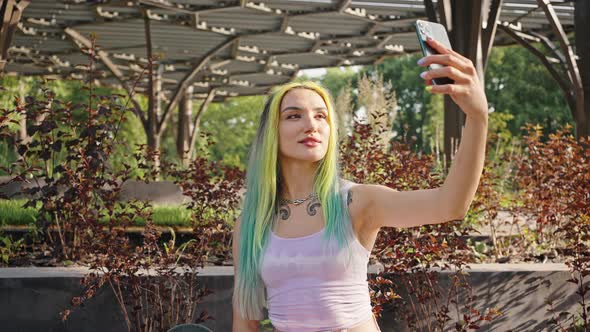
column 518, row 84
column 337, row 78
column 231, row 126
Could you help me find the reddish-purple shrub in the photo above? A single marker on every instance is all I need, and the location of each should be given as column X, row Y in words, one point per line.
column 555, row 184
column 411, row 256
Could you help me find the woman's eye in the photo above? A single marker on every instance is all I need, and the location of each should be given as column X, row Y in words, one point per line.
column 296, row 116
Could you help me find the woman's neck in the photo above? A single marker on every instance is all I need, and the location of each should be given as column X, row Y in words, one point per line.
column 297, row 179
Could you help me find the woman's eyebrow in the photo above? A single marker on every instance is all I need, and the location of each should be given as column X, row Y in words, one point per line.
column 297, row 108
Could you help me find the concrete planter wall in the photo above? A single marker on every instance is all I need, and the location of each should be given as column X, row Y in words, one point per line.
column 159, row 192
column 31, row 298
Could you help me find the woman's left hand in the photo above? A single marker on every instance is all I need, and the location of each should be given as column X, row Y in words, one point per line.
column 467, row 91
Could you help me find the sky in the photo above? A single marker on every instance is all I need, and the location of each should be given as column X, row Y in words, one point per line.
column 312, row 73
column 319, row 72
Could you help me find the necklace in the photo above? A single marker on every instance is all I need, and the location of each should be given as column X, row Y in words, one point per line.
column 283, row 201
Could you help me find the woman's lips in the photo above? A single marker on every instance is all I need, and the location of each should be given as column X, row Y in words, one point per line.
column 310, row 143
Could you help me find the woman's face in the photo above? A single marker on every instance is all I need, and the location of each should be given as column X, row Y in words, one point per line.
column 304, row 130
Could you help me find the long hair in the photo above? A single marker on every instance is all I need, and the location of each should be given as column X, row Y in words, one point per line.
column 263, row 183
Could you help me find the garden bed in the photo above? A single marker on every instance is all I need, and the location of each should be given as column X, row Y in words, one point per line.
column 506, row 227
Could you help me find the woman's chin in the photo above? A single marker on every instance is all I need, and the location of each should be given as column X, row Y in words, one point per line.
column 311, row 157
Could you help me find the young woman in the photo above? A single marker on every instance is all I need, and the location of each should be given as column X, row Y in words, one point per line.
column 302, row 243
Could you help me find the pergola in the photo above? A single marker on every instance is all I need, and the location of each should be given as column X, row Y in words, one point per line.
column 210, row 50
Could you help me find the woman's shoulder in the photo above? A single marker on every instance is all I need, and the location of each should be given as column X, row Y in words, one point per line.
column 346, row 188
column 356, row 203
column 346, row 184
column 356, row 195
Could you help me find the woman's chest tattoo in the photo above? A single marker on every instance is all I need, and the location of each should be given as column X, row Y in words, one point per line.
column 311, row 209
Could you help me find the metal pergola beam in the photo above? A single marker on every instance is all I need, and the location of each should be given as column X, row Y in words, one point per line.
column 356, row 32
column 489, row 30
column 571, row 81
column 551, row 46
column 10, row 14
column 188, row 78
column 572, row 66
column 186, row 81
column 197, row 121
column 343, row 5
column 564, row 84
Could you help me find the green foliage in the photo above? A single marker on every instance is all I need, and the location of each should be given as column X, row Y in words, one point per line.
column 9, row 248
column 266, row 326
column 433, row 130
column 232, row 126
column 499, row 134
column 498, row 124
column 129, row 136
column 337, row 78
column 518, row 84
column 8, row 155
column 12, row 212
column 518, row 87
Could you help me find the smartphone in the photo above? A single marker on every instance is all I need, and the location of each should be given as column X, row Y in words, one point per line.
column 436, row 31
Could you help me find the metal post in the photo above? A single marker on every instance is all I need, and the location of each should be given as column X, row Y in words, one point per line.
column 470, row 37
column 153, row 132
column 465, row 37
column 185, row 115
column 581, row 17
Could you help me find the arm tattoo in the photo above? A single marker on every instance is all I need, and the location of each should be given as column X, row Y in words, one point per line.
column 349, row 199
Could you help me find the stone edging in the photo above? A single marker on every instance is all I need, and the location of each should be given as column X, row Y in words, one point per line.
column 68, row 272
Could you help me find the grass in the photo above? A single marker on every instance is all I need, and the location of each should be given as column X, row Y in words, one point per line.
column 12, row 213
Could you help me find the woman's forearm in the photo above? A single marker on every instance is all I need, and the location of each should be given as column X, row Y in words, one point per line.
column 466, row 168
column 468, row 93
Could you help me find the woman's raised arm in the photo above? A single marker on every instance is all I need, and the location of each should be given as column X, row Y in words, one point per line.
column 385, row 207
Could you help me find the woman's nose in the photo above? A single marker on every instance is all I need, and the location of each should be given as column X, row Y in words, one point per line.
column 310, row 122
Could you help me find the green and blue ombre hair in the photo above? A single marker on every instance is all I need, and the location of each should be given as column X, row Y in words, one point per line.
column 263, row 183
